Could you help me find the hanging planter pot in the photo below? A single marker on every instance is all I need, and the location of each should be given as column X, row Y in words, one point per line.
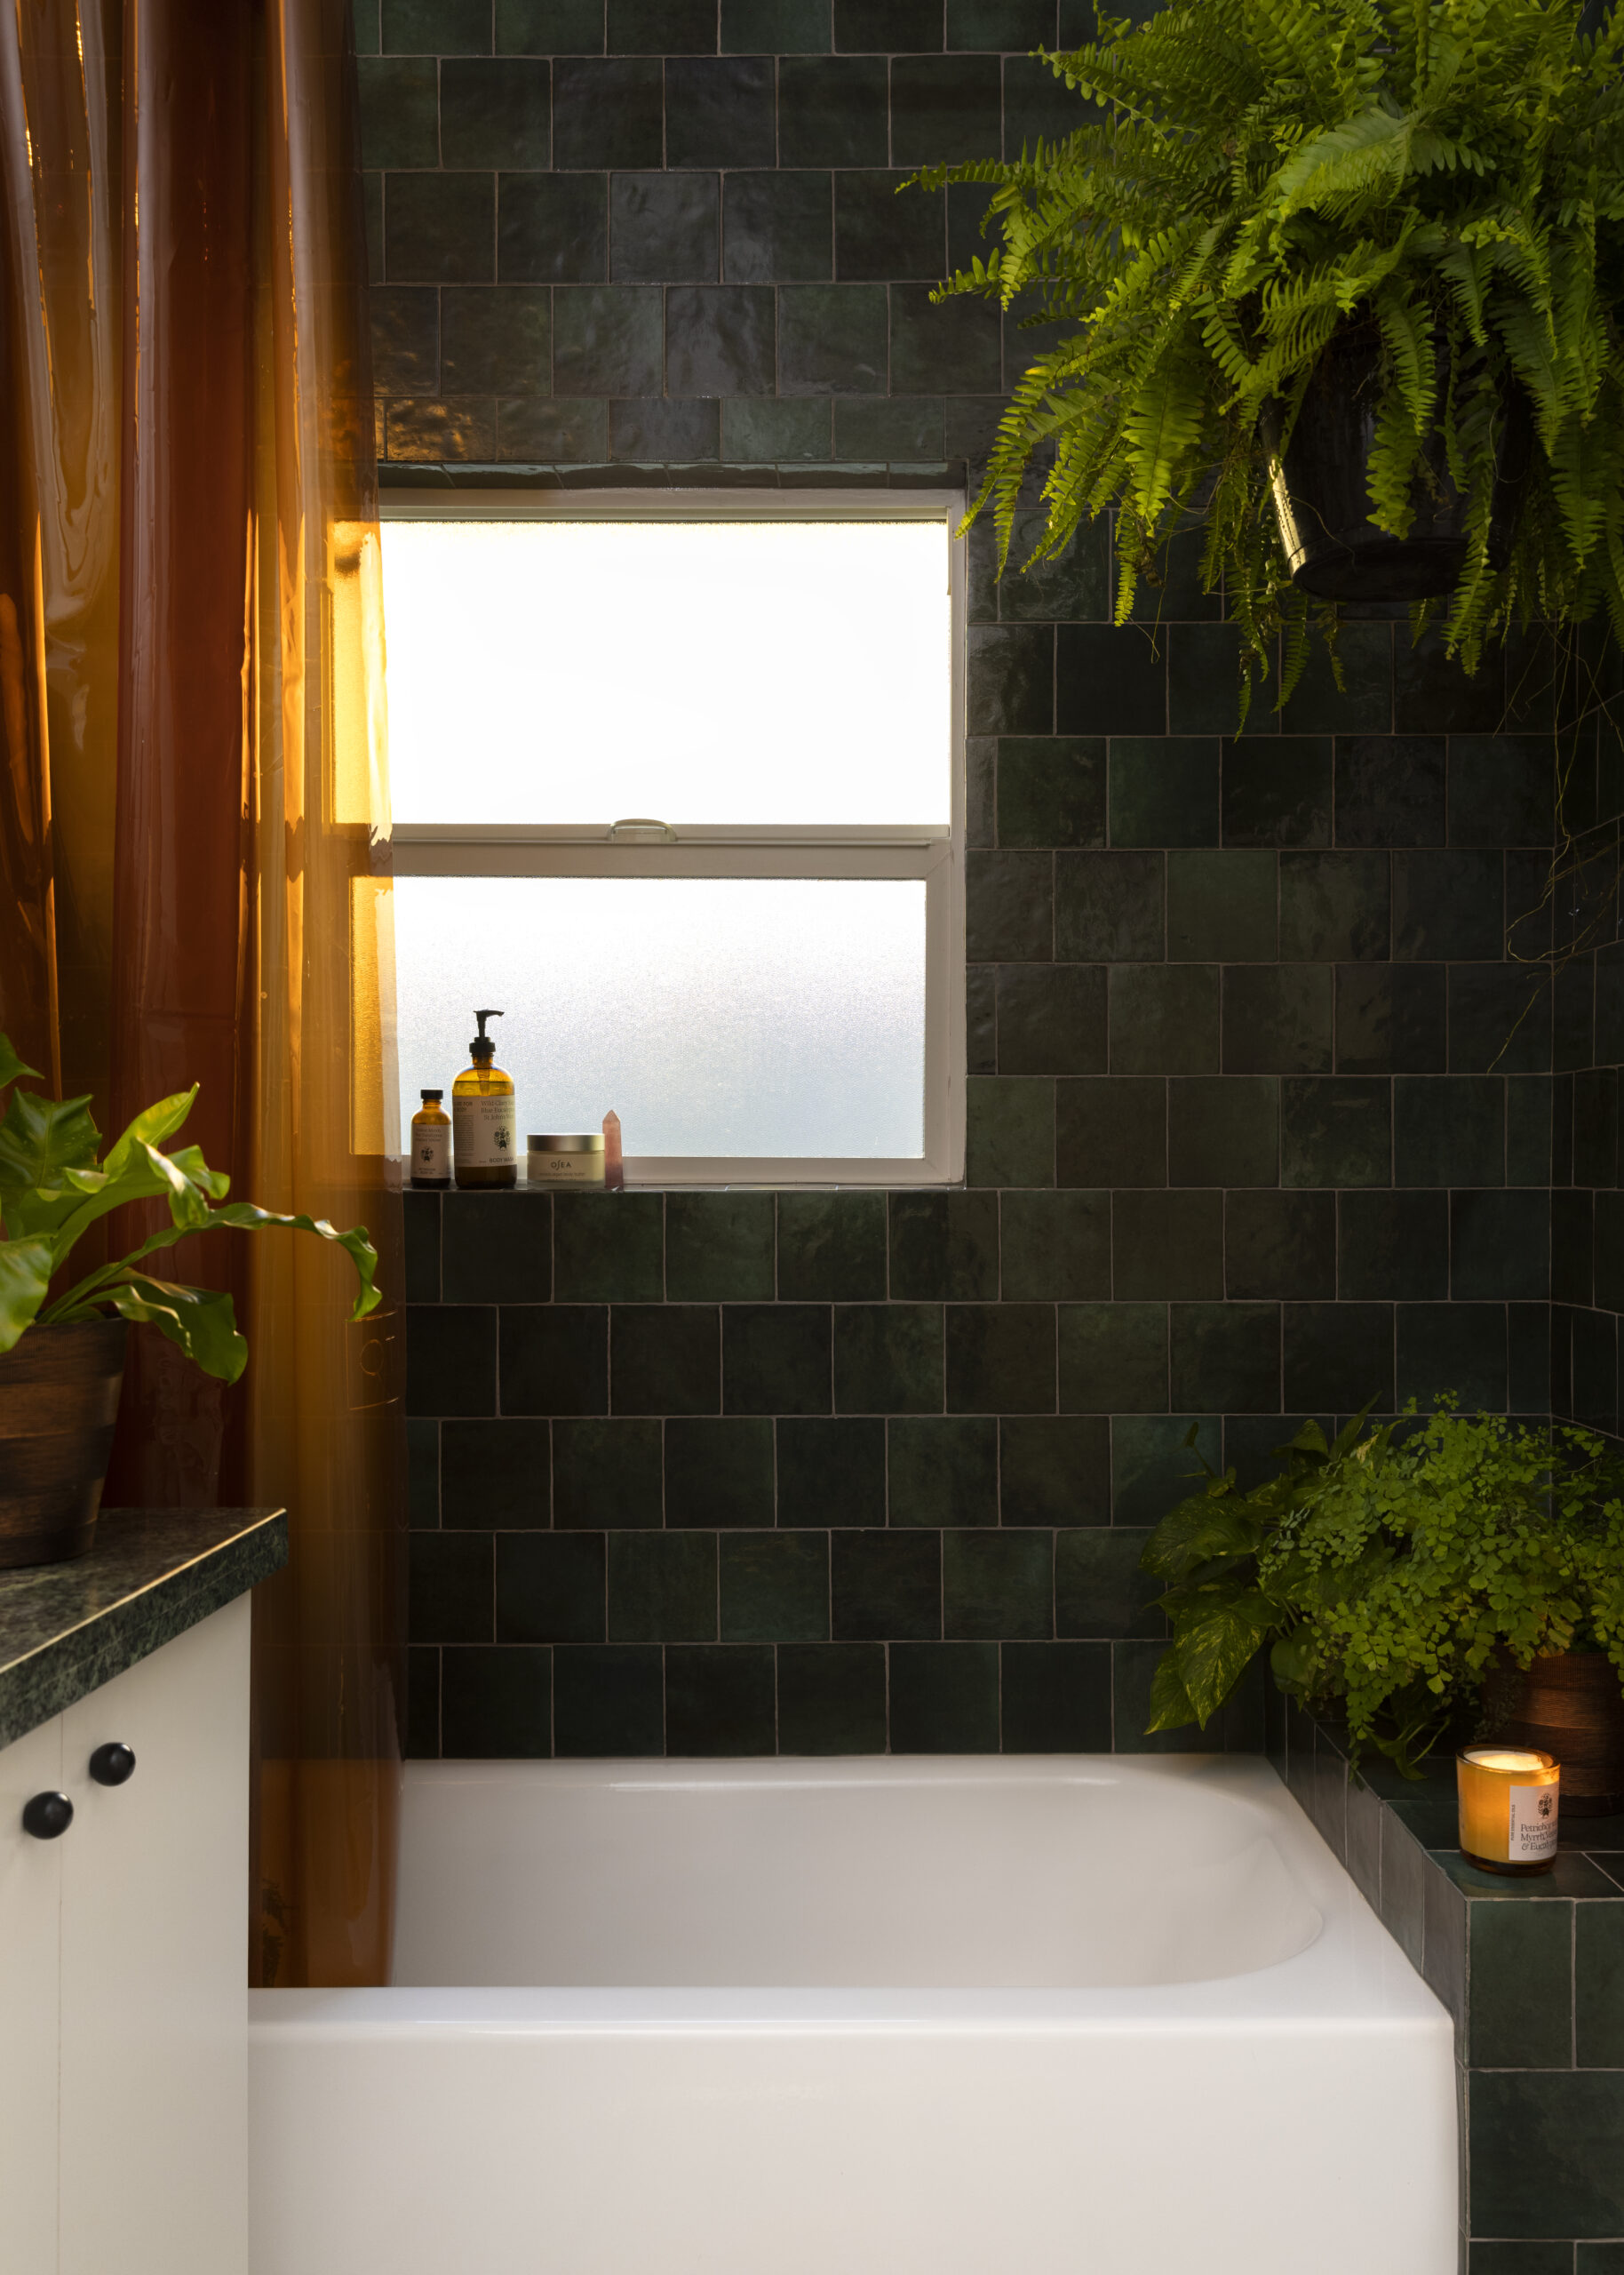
column 1322, row 491
column 58, row 1401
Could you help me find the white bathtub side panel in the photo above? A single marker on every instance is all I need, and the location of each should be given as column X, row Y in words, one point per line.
column 423, row 2147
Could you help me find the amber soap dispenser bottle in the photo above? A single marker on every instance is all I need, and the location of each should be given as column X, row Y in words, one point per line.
column 484, row 1118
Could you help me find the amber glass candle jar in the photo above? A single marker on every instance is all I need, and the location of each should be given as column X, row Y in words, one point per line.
column 1509, row 1798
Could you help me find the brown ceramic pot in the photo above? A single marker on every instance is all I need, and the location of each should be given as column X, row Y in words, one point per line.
column 1572, row 1706
column 59, row 1400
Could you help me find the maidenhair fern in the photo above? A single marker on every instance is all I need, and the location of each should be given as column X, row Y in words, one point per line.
column 1246, row 177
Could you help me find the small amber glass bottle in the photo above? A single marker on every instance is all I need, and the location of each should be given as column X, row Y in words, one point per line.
column 430, row 1143
column 484, row 1117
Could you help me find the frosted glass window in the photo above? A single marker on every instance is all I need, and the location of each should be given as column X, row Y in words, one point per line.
column 765, row 1017
column 719, row 673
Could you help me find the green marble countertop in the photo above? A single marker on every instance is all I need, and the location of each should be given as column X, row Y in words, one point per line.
column 65, row 1629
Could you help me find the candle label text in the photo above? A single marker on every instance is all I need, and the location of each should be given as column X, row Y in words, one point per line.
column 1533, row 1823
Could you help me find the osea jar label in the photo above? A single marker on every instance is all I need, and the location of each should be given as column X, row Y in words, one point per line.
column 484, row 1131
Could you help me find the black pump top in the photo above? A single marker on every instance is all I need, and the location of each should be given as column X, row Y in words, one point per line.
column 482, row 1046
column 426, row 1094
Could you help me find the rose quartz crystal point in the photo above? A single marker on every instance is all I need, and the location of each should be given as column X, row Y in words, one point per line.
column 614, row 1169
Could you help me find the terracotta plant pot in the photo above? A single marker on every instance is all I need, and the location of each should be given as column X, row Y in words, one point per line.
column 1572, row 1706
column 1322, row 492
column 59, row 1400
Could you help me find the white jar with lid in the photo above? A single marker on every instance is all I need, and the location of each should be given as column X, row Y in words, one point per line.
column 565, row 1161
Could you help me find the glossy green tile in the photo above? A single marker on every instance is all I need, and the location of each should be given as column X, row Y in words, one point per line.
column 944, row 1698
column 1520, row 1975
column 421, row 1212
column 1109, row 908
column 661, row 27
column 436, row 27
column 1099, row 1587
column 1547, row 2258
column 1010, row 1131
column 1000, row 1358
column 886, row 1585
column 495, row 111
column 608, row 1474
column 662, row 1587
column 496, row 339
column 1333, row 908
column 943, row 1470
column 1166, row 1244
column 1391, row 1018
column 1448, row 1130
column 1544, row 2152
column 495, row 1247
column 1113, row 1358
column 1337, row 1357
column 981, row 1019
column 1165, row 1019
column 1111, row 679
column 554, row 1358
column 422, row 1735
column 831, row 1473
column 572, row 432
column 1598, row 1984
column 952, row 346
column 831, row 339
column 1276, row 1019
column 1225, row 1357
column 1153, row 1466
column 719, row 339
column 997, row 1585
column 1010, row 682
column 888, row 1359
column 1164, row 791
column 666, row 1359
column 719, row 1472
column 607, row 113
column 1057, row 1697
column 1393, row 1245
column 1500, row 1246
column 665, row 228
column 1055, row 1246
column 1075, row 584
column 610, row 1247
column 399, row 113
column 832, row 1247
column 549, row 26
column 777, row 229
column 944, row 1246
column 1051, row 790
column 552, row 229
column 494, row 1475
column 608, row 339
column 776, row 26
column 720, row 1700
column 421, row 432
column 423, row 1476
column 1223, row 1129
column 450, row 1588
column 1390, row 790
column 659, row 432
column 760, row 432
column 1277, row 790
column 1279, row 1244
column 832, row 111
column 945, row 108
column 1112, row 1132
column 496, row 1705
column 1054, row 1470
column 719, row 111
column 405, row 330
column 1363, row 704
column 1008, row 906
column 775, row 1587
column 881, row 234
column 609, row 1700
column 550, row 1587
column 1335, row 1129
column 1589, row 2259
column 1500, row 1019
column 1461, row 1349
column 775, row 1358
column 1051, row 1019
column 1448, row 905
column 450, row 1359
column 832, row 1698
column 1221, row 906
column 719, row 1247
column 888, row 26
column 878, row 428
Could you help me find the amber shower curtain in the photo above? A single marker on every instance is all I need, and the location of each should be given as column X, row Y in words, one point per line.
column 194, row 806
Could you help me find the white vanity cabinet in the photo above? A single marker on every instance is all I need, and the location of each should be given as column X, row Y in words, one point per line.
column 123, row 2103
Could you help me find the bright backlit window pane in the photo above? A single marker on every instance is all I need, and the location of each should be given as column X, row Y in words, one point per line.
column 719, row 673
column 739, row 1017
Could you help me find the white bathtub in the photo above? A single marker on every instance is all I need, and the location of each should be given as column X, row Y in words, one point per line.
column 1005, row 2017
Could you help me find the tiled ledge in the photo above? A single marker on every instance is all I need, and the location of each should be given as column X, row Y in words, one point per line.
column 1533, row 1973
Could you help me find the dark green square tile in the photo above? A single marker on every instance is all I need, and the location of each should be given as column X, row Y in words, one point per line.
column 832, row 1247
column 721, row 1700
column 831, row 339
column 981, row 1019
column 440, row 228
column 1448, row 905
column 451, row 1359
column 607, row 113
column 1333, row 908
column 422, row 1735
column 886, row 1585
column 998, row 1584
column 944, row 1698
column 832, row 1698
column 608, row 1701
column 953, row 347
column 1390, row 790
column 832, row 111
column 497, row 339
column 568, row 433
column 608, row 1474
column 1544, row 2152
column 945, row 108
column 1164, row 791
column 1051, row 790
column 608, row 339
column 1390, row 1020
column 1501, row 789
column 831, row 1473
column 1112, row 1132
column 495, row 1247
column 881, row 429
column 1008, row 906
column 1111, row 679
column 944, row 1246
column 1153, row 1467
column 1547, row 2258
column 666, row 1359
column 719, row 111
column 1109, row 908
column 1598, row 1984
column 777, row 228
column 430, row 433
column 1000, row 1358
column 776, row 26
column 1057, row 1697
column 1589, row 2259
column 549, row 26
column 552, row 229
column 757, row 432
column 1520, row 1976
column 450, row 1588
column 1010, row 684
column 1277, row 790
column 719, row 1472
column 1500, row 1247
column 1335, row 1129
column 1113, row 1358
column 1074, row 584
column 1448, row 1130
column 496, row 1705
column 436, row 27
column 887, row 26
column 1500, row 1019
column 1051, row 1018
column 888, row 1359
column 661, row 28
column 1338, row 1357
column 421, row 1212
column 423, row 1476
column 719, row 339
column 494, row 1475
column 1204, row 683
column 1056, row 1246
column 775, row 1587
column 1393, row 1245
column 1223, row 1129
column 1279, row 1244
column 1166, row 1244
column 775, row 1358
column 1100, row 1589
column 719, row 1247
column 1164, row 1020
column 1226, row 1358
column 662, row 1587
column 881, row 234
column 665, row 228
column 1433, row 694
column 1363, row 704
column 1054, row 1470
column 550, row 1587
column 1276, row 1019
column 610, row 1248
column 1221, row 906
column 1459, row 1348
column 1010, row 1135
column 495, row 112
column 1037, row 106
column 399, row 110
column 943, row 1470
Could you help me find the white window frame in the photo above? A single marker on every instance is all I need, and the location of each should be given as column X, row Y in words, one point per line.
column 933, row 853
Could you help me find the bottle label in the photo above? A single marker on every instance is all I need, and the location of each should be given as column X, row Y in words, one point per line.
column 1533, row 1823
column 484, row 1131
column 431, row 1149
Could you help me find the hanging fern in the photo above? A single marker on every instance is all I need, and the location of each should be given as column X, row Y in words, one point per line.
column 1248, row 178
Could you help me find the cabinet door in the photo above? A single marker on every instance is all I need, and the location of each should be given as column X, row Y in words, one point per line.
column 30, row 1909
column 155, row 2000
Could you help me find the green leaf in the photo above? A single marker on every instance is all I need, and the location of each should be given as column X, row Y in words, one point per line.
column 150, row 1128
column 24, row 1274
column 199, row 1320
column 246, row 1218
column 1170, row 1705
column 40, row 1137
column 11, row 1065
column 1214, row 1650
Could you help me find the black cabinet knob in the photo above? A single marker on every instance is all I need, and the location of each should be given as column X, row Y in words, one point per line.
column 47, row 1816
column 113, row 1764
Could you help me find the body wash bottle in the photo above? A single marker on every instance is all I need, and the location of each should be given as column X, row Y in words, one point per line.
column 483, row 1117
column 430, row 1143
